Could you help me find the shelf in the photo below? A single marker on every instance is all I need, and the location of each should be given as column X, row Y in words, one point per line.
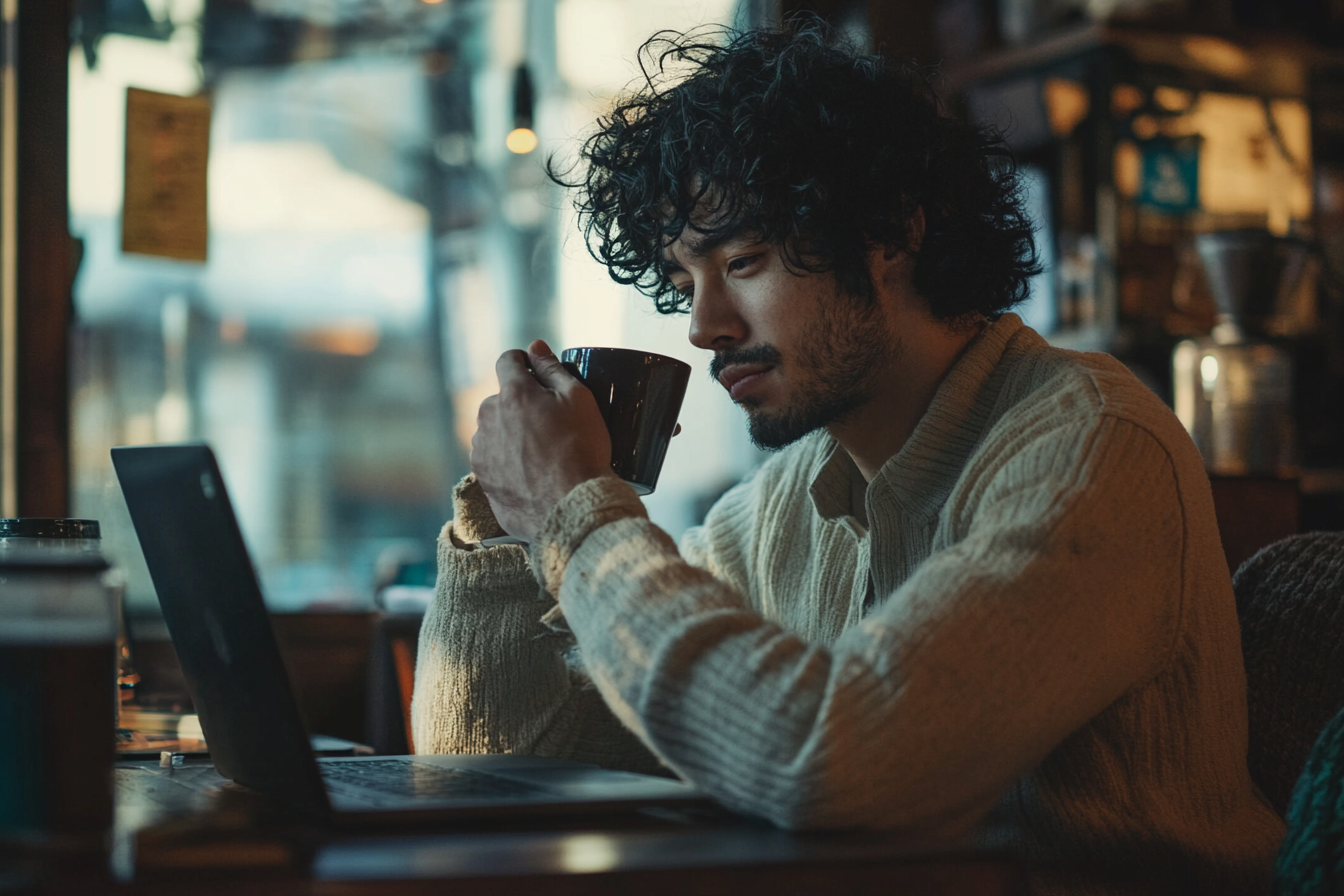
column 1257, row 63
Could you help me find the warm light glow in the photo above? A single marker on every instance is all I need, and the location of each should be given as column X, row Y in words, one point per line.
column 1173, row 99
column 1066, row 102
column 1208, row 372
column 521, row 141
column 342, row 339
column 1221, row 57
column 1144, row 127
column 1128, row 168
column 431, row 2
column 1241, row 169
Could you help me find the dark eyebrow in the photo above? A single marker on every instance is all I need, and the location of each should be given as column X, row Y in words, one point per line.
column 697, row 248
column 702, row 246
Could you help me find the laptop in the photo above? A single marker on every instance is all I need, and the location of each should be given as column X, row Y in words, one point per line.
column 213, row 608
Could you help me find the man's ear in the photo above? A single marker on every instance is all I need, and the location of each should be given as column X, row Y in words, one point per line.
column 900, row 260
column 914, row 235
column 915, row 239
column 890, row 270
column 892, row 267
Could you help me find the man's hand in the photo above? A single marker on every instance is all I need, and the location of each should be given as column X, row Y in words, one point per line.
column 537, row 439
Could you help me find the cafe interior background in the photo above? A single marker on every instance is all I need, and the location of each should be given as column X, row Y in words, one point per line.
column 381, row 227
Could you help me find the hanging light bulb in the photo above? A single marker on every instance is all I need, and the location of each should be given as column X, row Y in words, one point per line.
column 522, row 139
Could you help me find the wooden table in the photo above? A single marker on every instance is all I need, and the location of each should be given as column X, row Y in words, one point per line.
column 706, row 861
column 705, row 853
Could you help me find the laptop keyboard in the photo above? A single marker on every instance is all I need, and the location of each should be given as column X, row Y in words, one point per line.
column 415, row 779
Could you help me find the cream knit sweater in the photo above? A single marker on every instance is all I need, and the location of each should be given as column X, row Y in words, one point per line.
column 1025, row 638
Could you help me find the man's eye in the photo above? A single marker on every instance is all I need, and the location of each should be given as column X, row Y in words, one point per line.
column 742, row 262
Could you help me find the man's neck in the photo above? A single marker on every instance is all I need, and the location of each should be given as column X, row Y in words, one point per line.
column 876, row 431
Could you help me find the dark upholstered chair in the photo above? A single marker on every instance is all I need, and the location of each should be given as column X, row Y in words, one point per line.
column 1290, row 599
column 1311, row 860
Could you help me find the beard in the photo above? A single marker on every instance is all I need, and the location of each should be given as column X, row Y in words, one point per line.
column 832, row 374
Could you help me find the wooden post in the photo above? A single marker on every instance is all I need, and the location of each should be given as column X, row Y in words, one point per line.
column 44, row 264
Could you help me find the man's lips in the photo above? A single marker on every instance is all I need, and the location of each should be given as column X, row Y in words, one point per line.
column 739, row 378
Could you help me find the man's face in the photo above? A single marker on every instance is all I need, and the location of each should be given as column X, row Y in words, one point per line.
column 795, row 351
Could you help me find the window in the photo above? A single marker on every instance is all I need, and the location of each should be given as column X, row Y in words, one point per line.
column 374, row 244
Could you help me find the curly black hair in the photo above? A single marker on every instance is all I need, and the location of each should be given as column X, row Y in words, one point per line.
column 793, row 136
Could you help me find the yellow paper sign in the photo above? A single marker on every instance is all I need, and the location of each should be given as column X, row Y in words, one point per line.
column 167, row 151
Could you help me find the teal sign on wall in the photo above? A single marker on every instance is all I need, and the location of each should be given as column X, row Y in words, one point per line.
column 1170, row 174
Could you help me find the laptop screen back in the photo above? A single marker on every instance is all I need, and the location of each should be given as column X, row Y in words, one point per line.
column 213, row 607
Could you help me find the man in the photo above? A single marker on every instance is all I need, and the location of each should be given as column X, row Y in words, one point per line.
column 978, row 597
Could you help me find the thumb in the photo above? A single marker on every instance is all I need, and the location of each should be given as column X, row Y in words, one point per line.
column 546, row 366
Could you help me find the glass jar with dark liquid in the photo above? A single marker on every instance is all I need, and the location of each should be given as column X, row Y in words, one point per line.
column 58, row 634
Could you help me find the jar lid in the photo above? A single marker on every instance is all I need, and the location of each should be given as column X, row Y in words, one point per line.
column 33, row 527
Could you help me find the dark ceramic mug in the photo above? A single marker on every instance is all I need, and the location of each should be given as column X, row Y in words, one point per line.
column 639, row 395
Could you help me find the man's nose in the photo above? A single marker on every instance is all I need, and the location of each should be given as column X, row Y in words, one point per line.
column 715, row 322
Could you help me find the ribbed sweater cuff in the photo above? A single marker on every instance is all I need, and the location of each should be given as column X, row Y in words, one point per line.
column 473, row 517
column 588, row 507
column 482, row 577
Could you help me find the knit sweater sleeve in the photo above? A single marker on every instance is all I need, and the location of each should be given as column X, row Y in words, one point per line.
column 492, row 676
column 1061, row 592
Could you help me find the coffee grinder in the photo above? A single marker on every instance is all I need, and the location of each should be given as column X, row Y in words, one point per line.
column 1233, row 389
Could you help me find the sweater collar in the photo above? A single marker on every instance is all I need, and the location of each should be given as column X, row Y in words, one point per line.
column 919, row 477
column 832, row 487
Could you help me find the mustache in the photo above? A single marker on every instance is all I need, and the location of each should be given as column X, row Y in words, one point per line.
column 765, row 353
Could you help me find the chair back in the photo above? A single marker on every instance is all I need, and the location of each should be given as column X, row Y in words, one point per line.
column 1290, row 600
